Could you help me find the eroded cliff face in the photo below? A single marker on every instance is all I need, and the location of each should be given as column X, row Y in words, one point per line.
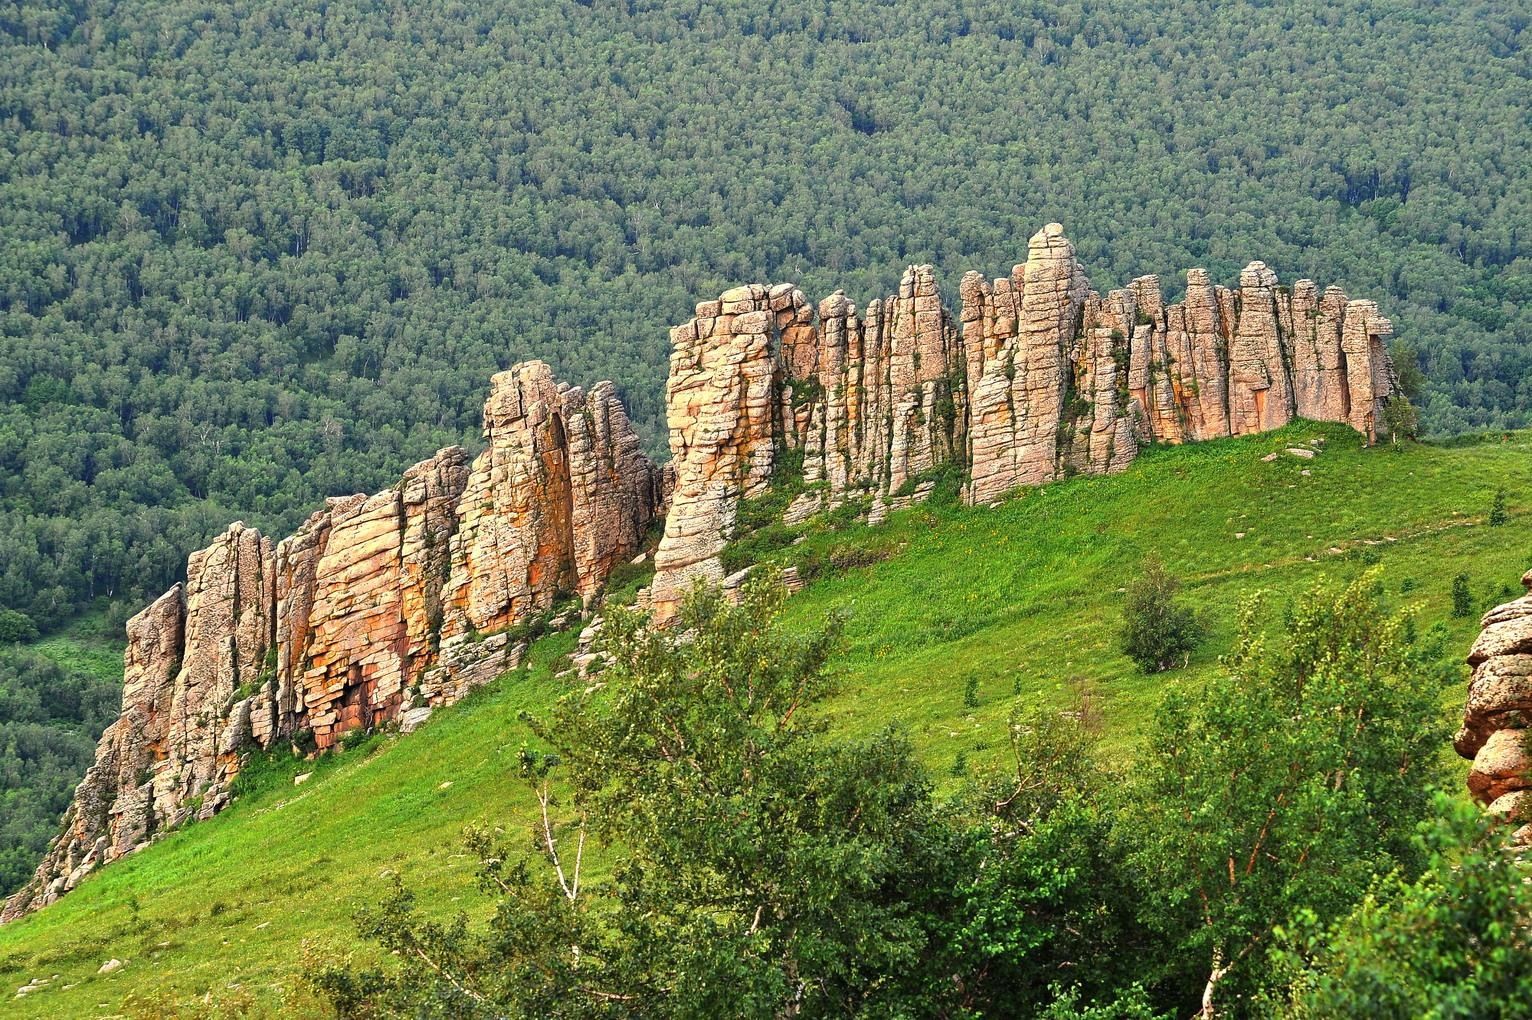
column 378, row 609
column 1497, row 721
column 1037, row 377
column 381, row 607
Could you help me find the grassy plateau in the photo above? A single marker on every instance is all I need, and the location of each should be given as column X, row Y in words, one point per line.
column 955, row 617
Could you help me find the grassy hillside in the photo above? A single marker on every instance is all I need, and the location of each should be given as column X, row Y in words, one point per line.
column 1014, row 603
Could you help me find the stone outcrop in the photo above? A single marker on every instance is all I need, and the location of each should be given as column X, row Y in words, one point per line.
column 724, row 402
column 381, row 607
column 1036, row 378
column 378, row 608
column 1497, row 721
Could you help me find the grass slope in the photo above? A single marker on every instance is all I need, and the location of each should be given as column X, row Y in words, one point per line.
column 225, row 917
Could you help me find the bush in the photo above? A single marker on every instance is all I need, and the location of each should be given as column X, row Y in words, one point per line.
column 1158, row 633
column 1462, row 598
column 1400, row 419
column 16, row 626
column 1497, row 512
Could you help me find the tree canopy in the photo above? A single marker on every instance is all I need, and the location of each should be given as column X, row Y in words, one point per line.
column 265, row 252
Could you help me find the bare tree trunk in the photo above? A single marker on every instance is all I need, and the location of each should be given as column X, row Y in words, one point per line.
column 1207, row 1012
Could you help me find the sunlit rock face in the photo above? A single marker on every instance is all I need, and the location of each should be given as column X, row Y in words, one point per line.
column 377, row 607
column 1036, row 377
column 1498, row 714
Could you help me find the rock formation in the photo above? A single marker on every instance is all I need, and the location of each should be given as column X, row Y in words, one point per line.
column 1036, row 378
column 379, row 608
column 1497, row 721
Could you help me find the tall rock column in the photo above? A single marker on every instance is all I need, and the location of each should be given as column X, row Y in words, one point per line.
column 722, row 403
column 1370, row 378
column 1319, row 371
column 1197, row 333
column 991, row 314
column 1260, row 387
column 1156, row 378
column 1102, row 419
column 613, row 487
column 1029, row 329
column 230, row 592
column 926, row 379
column 1496, row 718
column 510, row 557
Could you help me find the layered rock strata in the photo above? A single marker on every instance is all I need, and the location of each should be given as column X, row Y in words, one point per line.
column 1497, row 721
column 1036, row 377
column 378, row 608
column 381, row 607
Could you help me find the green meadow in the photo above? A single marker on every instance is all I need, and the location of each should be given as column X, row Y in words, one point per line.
column 954, row 617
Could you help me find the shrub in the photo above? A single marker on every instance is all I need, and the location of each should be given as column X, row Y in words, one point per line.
column 16, row 626
column 1462, row 598
column 1400, row 419
column 1497, row 512
column 1157, row 631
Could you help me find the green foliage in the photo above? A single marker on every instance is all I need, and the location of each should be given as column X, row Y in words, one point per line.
column 758, row 524
column 1046, row 924
column 755, row 859
column 257, row 257
column 16, row 627
column 1451, row 943
column 1286, row 783
column 50, row 717
column 1015, row 594
column 1158, row 632
column 1400, row 418
column 1497, row 512
column 1462, row 597
column 971, row 692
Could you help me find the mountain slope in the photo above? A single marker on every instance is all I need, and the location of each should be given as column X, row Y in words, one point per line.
column 228, row 914
column 267, row 252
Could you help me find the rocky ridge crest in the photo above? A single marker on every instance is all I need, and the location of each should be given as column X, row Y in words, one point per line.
column 378, row 609
column 382, row 607
column 1037, row 377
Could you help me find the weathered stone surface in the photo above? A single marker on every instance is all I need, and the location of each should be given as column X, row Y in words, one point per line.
column 1022, row 338
column 371, row 612
column 1369, row 370
column 511, row 555
column 1197, row 335
column 1040, row 377
column 383, row 606
column 613, row 488
column 723, row 403
column 1498, row 715
column 228, row 631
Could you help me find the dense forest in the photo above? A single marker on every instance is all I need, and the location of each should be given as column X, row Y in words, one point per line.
column 260, row 252
column 51, row 715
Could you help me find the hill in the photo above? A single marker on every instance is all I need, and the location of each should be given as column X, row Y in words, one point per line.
column 262, row 254
column 955, row 615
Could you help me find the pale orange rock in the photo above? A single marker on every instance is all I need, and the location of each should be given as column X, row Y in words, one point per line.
column 1498, row 714
column 341, row 625
column 722, row 401
column 510, row 558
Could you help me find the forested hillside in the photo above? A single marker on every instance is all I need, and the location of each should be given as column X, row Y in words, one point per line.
column 259, row 252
